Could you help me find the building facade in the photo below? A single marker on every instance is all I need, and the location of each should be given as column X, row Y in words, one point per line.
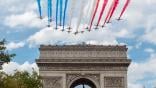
column 97, row 66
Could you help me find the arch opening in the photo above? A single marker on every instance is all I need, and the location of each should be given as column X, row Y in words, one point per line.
column 83, row 83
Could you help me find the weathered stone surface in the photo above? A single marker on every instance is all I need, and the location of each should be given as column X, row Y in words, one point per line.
column 111, row 82
column 104, row 66
column 82, row 51
column 52, row 82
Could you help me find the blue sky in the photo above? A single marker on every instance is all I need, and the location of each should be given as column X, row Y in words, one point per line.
column 20, row 26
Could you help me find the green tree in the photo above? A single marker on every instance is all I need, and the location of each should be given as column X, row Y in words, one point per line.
column 20, row 80
column 4, row 55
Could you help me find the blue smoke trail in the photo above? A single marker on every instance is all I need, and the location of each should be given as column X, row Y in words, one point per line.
column 61, row 6
column 64, row 16
column 48, row 2
column 50, row 10
column 39, row 7
column 57, row 3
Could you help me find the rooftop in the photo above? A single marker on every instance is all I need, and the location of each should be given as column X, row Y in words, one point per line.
column 84, row 47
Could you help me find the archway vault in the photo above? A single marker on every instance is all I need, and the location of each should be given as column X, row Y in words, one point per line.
column 91, row 79
column 83, row 81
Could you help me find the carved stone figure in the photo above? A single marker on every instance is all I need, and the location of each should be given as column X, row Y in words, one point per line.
column 52, row 82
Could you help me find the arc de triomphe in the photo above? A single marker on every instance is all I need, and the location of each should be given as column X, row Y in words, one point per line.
column 97, row 66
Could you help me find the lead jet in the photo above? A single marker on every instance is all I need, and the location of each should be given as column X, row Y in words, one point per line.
column 119, row 19
column 76, row 32
column 48, row 25
column 96, row 27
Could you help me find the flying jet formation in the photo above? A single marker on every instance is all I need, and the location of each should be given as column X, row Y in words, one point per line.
column 62, row 12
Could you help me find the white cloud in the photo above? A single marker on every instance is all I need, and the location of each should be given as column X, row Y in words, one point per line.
column 17, row 6
column 51, row 36
column 11, row 67
column 150, row 36
column 139, row 21
column 27, row 19
column 123, row 33
column 142, row 70
column 138, row 45
column 13, row 45
column 135, row 85
column 149, row 50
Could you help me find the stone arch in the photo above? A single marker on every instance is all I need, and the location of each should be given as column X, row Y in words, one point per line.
column 62, row 65
column 85, row 81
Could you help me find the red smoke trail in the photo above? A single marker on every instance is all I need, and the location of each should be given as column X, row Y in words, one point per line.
column 124, row 8
column 108, row 14
column 102, row 10
column 97, row 5
column 113, row 9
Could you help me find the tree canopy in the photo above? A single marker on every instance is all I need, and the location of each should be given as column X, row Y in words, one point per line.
column 4, row 55
column 20, row 80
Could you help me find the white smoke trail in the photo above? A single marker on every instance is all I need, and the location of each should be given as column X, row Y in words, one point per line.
column 71, row 11
column 88, row 11
column 81, row 14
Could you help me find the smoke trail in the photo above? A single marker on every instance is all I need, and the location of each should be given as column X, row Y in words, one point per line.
column 102, row 10
column 108, row 14
column 64, row 16
column 124, row 8
column 92, row 10
column 88, row 8
column 113, row 9
column 49, row 11
column 39, row 8
column 81, row 14
column 61, row 7
column 87, row 15
column 71, row 12
column 97, row 5
column 57, row 4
